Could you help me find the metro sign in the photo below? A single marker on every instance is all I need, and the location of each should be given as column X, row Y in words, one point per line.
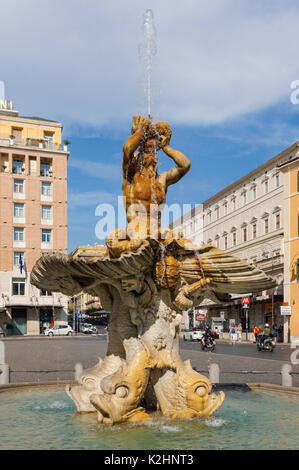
column 245, row 301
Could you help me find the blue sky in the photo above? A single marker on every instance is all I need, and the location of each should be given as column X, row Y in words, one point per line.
column 221, row 78
column 219, row 155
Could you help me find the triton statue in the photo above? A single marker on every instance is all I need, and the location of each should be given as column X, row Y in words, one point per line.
column 146, row 278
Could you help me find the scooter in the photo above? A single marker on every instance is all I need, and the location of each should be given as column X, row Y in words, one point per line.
column 208, row 343
column 268, row 344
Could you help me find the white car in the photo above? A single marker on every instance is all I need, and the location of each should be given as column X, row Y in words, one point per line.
column 193, row 335
column 59, row 330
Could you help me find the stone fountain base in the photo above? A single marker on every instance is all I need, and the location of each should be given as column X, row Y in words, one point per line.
column 151, row 373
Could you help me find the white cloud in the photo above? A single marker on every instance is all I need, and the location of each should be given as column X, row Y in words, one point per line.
column 77, row 60
column 96, row 169
column 90, row 199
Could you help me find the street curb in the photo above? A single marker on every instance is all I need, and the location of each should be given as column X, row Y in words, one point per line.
column 273, row 388
column 246, row 387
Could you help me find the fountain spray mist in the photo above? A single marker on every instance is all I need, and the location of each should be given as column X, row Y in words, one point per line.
column 147, row 50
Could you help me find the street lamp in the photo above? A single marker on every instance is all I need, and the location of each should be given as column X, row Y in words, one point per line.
column 74, row 300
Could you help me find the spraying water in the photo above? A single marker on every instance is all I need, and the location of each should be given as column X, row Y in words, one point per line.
column 147, row 50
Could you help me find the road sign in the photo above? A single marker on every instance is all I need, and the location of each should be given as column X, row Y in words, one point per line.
column 245, row 300
column 200, row 316
column 285, row 310
column 80, row 315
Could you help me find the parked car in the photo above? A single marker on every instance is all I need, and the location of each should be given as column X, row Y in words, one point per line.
column 195, row 334
column 59, row 330
column 88, row 328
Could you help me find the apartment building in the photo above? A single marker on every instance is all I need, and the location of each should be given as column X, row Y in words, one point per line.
column 255, row 219
column 33, row 217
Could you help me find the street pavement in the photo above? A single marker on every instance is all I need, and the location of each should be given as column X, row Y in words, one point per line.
column 40, row 359
column 242, row 363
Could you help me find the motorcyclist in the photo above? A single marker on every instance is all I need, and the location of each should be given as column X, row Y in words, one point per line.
column 265, row 333
column 207, row 333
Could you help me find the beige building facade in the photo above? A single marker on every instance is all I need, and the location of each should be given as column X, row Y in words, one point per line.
column 248, row 219
column 33, row 218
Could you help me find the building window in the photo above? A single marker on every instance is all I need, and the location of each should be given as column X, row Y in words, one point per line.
column 254, row 231
column 225, row 242
column 46, row 236
column 46, row 212
column 45, row 293
column 18, row 186
column 266, row 186
column 18, row 210
column 17, row 167
column 225, row 208
column 217, row 213
column 234, row 203
column 45, row 169
column 18, row 287
column 18, row 234
column 234, row 239
column 49, row 137
column 46, row 188
column 17, row 256
column 277, row 182
column 244, row 234
column 210, row 217
column 244, row 198
column 266, row 225
column 277, row 221
column 254, row 193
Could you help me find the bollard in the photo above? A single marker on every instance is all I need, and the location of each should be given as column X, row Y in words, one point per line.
column 214, row 373
column 286, row 377
column 4, row 374
column 78, row 370
column 4, row 369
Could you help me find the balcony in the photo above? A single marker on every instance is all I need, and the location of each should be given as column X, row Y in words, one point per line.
column 32, row 143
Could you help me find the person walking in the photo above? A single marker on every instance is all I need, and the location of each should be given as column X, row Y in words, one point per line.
column 239, row 332
column 233, row 334
column 256, row 332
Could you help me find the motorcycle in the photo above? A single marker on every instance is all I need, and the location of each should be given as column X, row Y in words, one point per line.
column 208, row 343
column 88, row 328
column 268, row 344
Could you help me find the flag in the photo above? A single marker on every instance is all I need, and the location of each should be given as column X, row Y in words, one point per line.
column 21, row 263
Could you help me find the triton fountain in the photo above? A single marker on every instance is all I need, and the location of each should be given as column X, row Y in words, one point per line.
column 146, row 279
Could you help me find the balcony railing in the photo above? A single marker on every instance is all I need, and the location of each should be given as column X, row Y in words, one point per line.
column 32, row 143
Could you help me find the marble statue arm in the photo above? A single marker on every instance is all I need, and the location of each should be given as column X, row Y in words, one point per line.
column 176, row 173
column 130, row 146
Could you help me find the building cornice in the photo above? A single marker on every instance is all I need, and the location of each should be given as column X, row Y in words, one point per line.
column 253, row 173
column 35, row 121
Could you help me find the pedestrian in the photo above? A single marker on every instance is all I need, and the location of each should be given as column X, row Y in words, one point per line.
column 256, row 332
column 239, row 332
column 233, row 334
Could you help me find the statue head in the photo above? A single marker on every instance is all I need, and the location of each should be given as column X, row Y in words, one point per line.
column 164, row 132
